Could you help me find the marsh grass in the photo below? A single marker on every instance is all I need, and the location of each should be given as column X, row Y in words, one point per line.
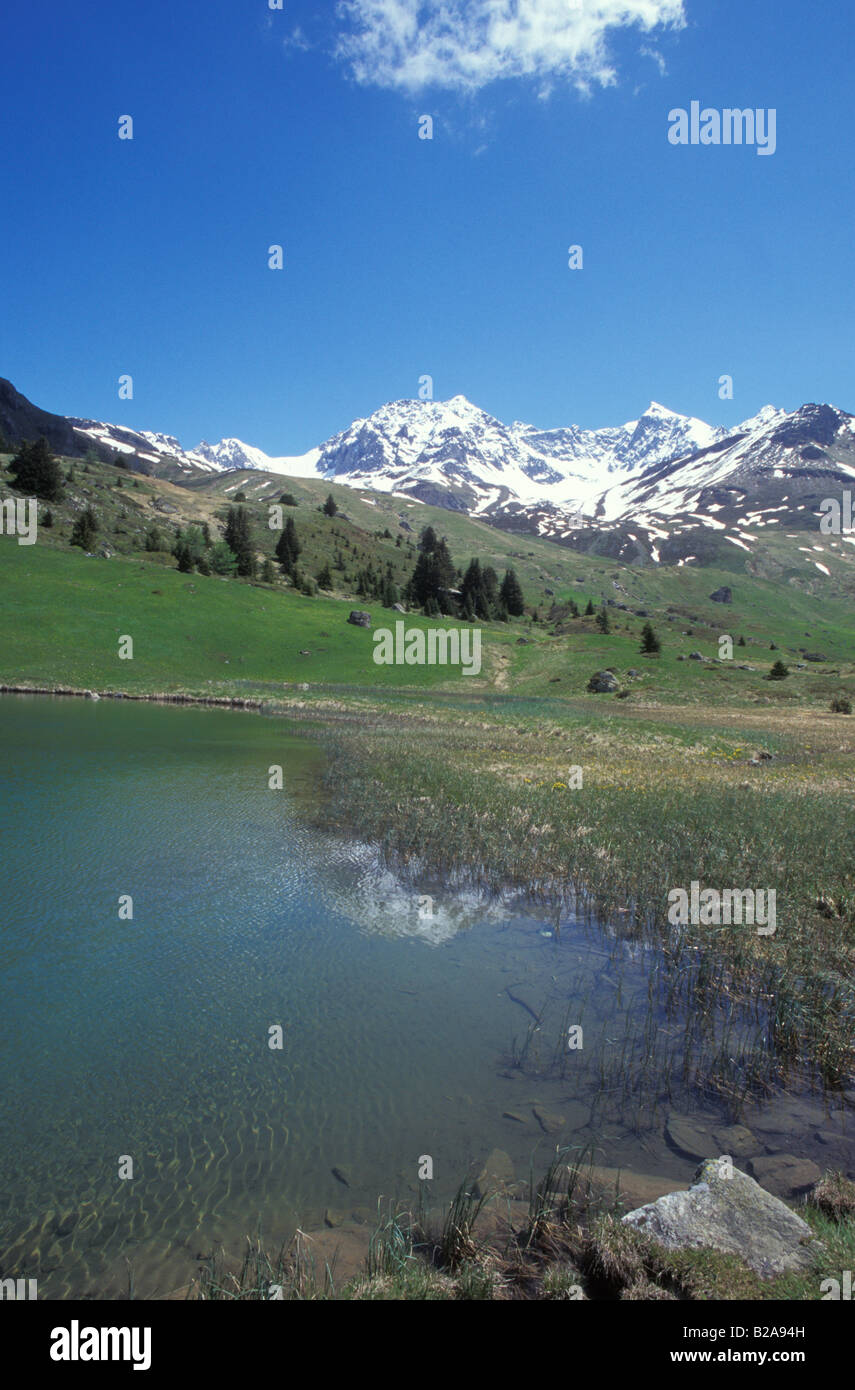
column 664, row 803
column 291, row 1272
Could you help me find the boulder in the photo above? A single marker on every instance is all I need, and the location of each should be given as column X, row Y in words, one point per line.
column 602, row 683
column 722, row 595
column 726, row 1210
column 359, row 619
column 696, row 656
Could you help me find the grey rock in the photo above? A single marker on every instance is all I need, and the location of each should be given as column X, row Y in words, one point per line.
column 602, row 683
column 359, row 619
column 696, row 656
column 732, row 1214
column 722, row 595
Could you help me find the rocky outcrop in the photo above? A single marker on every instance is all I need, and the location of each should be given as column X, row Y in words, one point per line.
column 602, row 683
column 359, row 619
column 726, row 1210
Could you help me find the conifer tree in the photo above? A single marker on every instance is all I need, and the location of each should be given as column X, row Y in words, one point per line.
column 511, row 594
column 35, row 471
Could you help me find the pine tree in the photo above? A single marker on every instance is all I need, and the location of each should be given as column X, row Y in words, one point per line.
column 650, row 644
column 511, row 594
column 779, row 672
column 238, row 539
column 47, row 519
column 473, row 593
column 35, row 471
column 741, row 642
column 85, row 529
column 603, row 622
column 329, row 507
column 268, row 573
column 427, row 541
column 589, row 611
column 184, row 557
column 288, row 548
column 325, row 578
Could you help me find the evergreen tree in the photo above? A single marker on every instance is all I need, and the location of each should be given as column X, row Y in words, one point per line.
column 741, row 642
column 473, row 593
column 427, row 540
column 35, row 471
column 325, row 578
column 288, row 499
column 288, row 548
column 47, row 519
column 184, row 557
column 574, row 609
column 589, row 611
column 85, row 529
column 153, row 539
column 329, row 507
column 603, row 622
column 268, row 573
column 650, row 644
column 779, row 672
column 238, row 538
column 511, row 594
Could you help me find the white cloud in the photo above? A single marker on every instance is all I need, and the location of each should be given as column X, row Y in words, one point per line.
column 465, row 44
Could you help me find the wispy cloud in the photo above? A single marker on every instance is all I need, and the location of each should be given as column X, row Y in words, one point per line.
column 466, row 44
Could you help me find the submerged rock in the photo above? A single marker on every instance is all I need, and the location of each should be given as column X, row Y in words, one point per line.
column 784, row 1173
column 691, row 1139
column 497, row 1173
column 724, row 1209
column 549, row 1122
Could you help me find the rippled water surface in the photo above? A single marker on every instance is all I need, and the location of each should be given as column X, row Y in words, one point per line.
column 403, row 1012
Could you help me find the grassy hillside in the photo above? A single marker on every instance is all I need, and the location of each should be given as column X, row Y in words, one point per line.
column 64, row 611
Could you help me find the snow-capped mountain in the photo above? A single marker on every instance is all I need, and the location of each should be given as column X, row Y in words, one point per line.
column 658, row 487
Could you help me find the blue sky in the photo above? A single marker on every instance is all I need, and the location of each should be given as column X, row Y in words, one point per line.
column 406, row 257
